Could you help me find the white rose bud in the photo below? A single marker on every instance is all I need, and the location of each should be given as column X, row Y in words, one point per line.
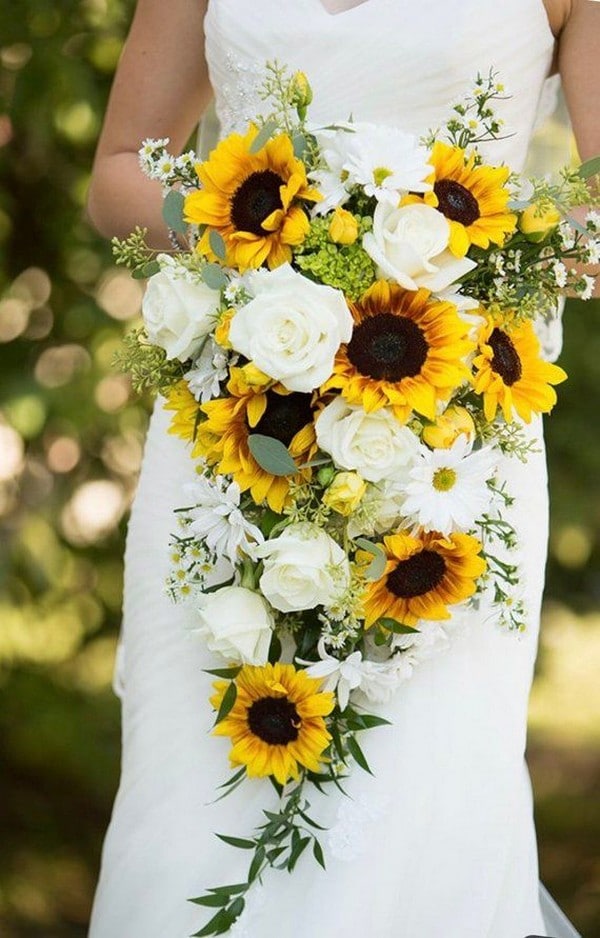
column 292, row 328
column 373, row 444
column 410, row 245
column 178, row 311
column 236, row 623
column 304, row 568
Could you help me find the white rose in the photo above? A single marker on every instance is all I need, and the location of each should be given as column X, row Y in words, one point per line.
column 410, row 245
column 237, row 623
column 292, row 328
column 304, row 568
column 178, row 311
column 376, row 445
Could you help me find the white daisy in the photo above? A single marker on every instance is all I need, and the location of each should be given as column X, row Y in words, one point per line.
column 217, row 521
column 593, row 252
column 384, row 161
column 588, row 289
column 448, row 488
column 592, row 221
column 560, row 274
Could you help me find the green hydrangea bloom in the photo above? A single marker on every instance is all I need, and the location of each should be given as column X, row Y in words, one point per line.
column 346, row 267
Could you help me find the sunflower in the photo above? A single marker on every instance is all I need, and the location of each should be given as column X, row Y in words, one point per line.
column 510, row 372
column 472, row 198
column 220, row 429
column 276, row 723
column 406, row 352
column 424, row 575
column 251, row 200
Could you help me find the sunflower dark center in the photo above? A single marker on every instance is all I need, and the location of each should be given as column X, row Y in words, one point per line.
column 285, row 415
column 456, row 202
column 506, row 361
column 417, row 575
column 388, row 348
column 275, row 720
column 254, row 201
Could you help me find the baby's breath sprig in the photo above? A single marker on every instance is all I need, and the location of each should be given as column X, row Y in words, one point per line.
column 473, row 119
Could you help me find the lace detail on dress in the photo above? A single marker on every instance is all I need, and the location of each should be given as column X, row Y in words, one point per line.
column 239, row 100
column 347, row 839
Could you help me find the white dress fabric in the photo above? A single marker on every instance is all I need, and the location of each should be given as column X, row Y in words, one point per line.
column 441, row 842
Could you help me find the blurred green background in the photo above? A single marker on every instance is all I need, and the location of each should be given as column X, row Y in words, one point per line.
column 71, row 439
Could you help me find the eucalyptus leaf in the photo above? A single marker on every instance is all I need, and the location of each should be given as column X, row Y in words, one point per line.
column 214, row 276
column 590, row 168
column 146, row 270
column 271, row 455
column 376, row 568
column 263, row 136
column 227, row 703
column 217, row 244
column 172, row 211
column 299, row 143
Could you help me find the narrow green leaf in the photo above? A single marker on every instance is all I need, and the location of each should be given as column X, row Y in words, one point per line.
column 337, row 741
column 172, row 211
column 263, row 136
column 229, row 673
column 297, row 851
column 214, row 276
column 237, row 908
column 590, row 168
column 234, row 778
column 310, row 821
column 398, row 628
column 273, row 854
column 256, row 865
column 214, row 926
column 240, row 842
column 271, row 455
column 318, row 853
column 229, row 890
column 215, row 239
column 358, row 754
column 369, row 720
column 213, row 901
column 227, row 703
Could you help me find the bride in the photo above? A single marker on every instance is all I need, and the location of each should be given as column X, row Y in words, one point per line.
column 441, row 843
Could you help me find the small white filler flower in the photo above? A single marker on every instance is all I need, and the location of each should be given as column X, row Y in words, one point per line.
column 217, row 521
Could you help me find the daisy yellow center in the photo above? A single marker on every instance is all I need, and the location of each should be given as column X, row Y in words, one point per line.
column 388, row 348
column 417, row 575
column 285, row 416
column 275, row 720
column 255, row 199
column 380, row 174
column 505, row 361
column 444, row 479
column 456, row 202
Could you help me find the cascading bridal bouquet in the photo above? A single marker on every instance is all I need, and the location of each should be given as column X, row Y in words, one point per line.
column 348, row 347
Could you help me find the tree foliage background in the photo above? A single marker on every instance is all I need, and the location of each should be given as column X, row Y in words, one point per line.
column 71, row 437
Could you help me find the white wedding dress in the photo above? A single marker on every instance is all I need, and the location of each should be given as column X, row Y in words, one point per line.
column 441, row 842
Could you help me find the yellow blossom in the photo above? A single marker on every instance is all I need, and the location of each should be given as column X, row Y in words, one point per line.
column 222, row 330
column 448, row 427
column 343, row 228
column 345, row 493
column 537, row 225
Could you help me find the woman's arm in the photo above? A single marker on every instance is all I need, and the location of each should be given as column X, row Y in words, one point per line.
column 579, row 65
column 160, row 90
